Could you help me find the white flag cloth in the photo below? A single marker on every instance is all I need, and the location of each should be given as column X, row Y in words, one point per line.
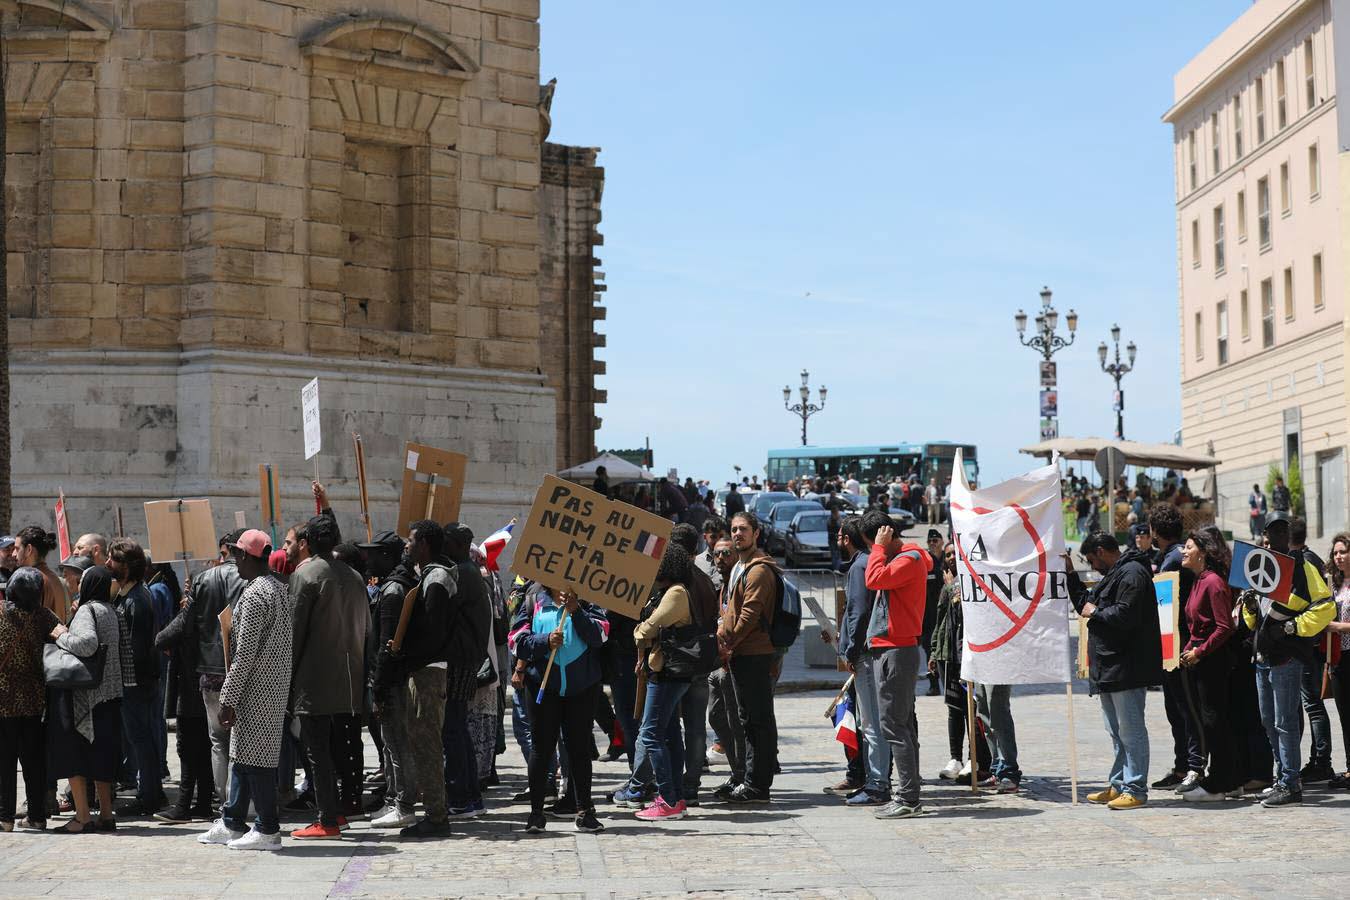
column 1014, row 592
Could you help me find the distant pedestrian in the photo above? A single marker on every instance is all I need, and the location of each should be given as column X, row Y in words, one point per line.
column 1258, row 509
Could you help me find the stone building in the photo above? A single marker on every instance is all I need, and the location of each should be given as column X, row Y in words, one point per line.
column 213, row 201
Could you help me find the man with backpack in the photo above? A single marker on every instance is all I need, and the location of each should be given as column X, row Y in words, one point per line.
column 898, row 572
column 752, row 594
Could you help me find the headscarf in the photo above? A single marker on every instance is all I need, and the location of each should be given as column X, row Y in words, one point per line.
column 24, row 590
column 96, row 585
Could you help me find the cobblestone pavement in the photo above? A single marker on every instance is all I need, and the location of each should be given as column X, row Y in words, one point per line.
column 804, row 843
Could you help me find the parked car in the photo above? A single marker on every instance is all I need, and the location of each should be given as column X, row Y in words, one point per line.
column 903, row 518
column 764, row 501
column 807, row 540
column 780, row 517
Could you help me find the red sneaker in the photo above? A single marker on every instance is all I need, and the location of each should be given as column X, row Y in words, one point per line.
column 317, row 830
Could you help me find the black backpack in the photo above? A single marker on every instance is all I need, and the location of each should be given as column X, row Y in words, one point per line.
column 689, row 651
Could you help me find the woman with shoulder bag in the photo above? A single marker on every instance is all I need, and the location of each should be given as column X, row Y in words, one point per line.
column 85, row 732
column 1339, row 630
column 25, row 625
column 660, row 742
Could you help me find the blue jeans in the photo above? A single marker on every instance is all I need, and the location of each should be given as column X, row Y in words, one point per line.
column 624, row 690
column 139, row 711
column 255, row 783
column 993, row 703
column 878, row 752
column 1278, row 696
column 694, row 714
column 659, row 743
column 1124, row 715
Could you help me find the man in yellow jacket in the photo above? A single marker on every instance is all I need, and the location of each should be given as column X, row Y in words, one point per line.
column 1283, row 635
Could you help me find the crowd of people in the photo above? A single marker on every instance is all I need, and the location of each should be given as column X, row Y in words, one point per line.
column 274, row 659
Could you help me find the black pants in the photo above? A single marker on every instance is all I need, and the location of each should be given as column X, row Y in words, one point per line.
column 1211, row 676
column 957, row 729
column 23, row 741
column 461, row 764
column 1255, row 760
column 604, row 715
column 316, row 733
column 348, row 759
column 1188, row 755
column 754, row 696
column 571, row 717
column 1319, row 721
column 1340, row 682
column 193, row 743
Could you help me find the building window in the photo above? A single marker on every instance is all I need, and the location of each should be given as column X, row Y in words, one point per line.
column 1244, row 314
column 1242, row 216
column 1221, row 330
column 1190, row 156
column 1314, row 173
column 1195, row 243
column 1267, row 314
column 1199, row 337
column 1260, row 89
column 1219, row 260
column 1281, row 107
column 1319, row 299
column 1284, row 189
column 1214, row 142
column 1289, row 294
column 1309, row 78
column 1263, row 212
column 1237, row 126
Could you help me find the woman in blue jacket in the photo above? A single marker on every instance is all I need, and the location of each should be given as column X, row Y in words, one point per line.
column 567, row 702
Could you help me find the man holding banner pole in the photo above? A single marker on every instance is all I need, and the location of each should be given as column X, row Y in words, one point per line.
column 1124, row 658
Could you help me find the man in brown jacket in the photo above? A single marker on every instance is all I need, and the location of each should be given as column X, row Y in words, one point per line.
column 751, row 595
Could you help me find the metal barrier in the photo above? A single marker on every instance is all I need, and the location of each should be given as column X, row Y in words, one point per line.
column 822, row 586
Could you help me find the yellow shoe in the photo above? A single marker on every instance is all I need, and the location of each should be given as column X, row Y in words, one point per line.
column 1126, row 801
column 1105, row 796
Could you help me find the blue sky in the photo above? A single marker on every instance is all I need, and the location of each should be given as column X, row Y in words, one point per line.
column 920, row 176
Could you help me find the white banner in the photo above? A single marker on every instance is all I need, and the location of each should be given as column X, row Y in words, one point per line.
column 309, row 406
column 1014, row 591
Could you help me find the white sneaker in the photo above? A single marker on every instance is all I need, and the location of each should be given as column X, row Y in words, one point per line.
column 1189, row 783
column 951, row 771
column 256, row 840
column 219, row 834
column 1200, row 795
column 394, row 819
column 965, row 771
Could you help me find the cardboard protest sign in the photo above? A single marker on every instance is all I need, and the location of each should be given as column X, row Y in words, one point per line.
column 1167, row 586
column 605, row 550
column 1014, row 591
column 180, row 530
column 309, row 408
column 62, row 526
column 433, row 485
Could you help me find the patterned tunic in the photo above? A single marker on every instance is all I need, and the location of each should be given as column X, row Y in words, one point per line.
column 259, row 680
column 22, row 634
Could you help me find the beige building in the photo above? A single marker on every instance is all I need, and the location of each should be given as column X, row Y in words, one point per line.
column 213, row 201
column 1260, row 262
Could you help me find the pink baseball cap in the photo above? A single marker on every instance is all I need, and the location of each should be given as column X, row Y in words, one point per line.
column 254, row 542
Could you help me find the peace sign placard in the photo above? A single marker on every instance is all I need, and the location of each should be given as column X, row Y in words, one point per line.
column 1256, row 568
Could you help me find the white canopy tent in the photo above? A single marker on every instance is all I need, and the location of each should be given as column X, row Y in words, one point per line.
column 1136, row 453
column 619, row 470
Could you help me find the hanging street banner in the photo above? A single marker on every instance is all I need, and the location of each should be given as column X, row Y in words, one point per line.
column 605, row 550
column 1009, row 542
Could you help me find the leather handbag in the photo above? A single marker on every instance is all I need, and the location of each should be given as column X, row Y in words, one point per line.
column 65, row 671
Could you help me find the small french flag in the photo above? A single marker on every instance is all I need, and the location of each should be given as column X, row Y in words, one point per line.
column 846, row 726
column 495, row 543
column 650, row 544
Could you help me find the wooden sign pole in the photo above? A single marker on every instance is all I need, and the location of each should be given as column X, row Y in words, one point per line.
column 431, row 494
column 361, row 482
column 970, row 738
column 271, row 504
column 548, row 669
column 121, row 529
column 1073, row 746
column 185, row 554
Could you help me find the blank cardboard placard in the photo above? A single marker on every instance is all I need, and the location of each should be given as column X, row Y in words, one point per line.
column 605, row 550
column 433, row 485
column 179, row 527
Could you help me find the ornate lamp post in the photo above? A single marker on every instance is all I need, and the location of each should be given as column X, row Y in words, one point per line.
column 1046, row 342
column 804, row 409
column 1118, row 370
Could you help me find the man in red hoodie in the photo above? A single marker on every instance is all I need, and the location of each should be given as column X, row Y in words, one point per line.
column 898, row 572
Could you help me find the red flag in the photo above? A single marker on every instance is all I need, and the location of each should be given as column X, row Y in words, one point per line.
column 62, row 527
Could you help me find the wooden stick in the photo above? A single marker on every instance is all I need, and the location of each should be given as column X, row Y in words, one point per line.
column 431, row 493
column 970, row 738
column 404, row 616
column 271, row 506
column 829, row 713
column 318, row 507
column 1073, row 747
column 640, row 701
column 361, row 482
column 548, row 669
column 121, row 528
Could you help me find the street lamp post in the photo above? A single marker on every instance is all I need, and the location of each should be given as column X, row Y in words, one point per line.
column 804, row 409
column 1046, row 342
column 1118, row 370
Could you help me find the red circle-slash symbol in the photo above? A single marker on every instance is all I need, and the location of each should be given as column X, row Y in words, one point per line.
column 1018, row 622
